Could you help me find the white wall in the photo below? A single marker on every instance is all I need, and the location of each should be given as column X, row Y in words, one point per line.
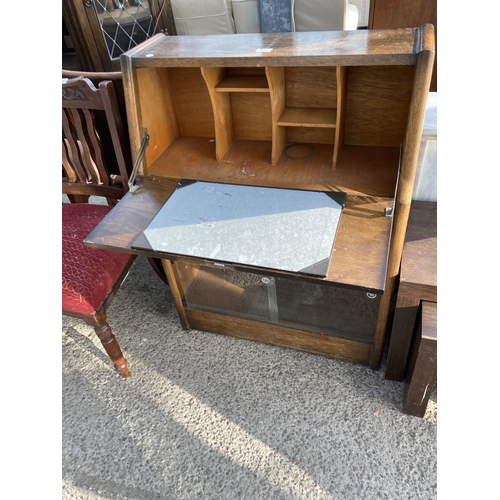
column 425, row 187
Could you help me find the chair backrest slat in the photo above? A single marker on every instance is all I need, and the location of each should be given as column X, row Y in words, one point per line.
column 73, row 148
column 85, row 142
column 85, row 161
column 99, row 172
column 68, row 169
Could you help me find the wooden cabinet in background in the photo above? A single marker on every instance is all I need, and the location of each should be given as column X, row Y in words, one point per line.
column 101, row 30
column 389, row 14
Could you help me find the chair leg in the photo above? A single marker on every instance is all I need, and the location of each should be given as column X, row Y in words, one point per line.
column 109, row 342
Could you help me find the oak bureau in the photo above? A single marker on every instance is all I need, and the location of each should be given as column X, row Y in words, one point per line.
column 329, row 112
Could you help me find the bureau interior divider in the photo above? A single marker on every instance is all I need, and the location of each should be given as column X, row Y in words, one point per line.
column 312, row 99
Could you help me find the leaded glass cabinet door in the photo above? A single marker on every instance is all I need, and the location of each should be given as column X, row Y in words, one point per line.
column 104, row 29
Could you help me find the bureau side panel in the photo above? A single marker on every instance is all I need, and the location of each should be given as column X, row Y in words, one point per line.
column 155, row 111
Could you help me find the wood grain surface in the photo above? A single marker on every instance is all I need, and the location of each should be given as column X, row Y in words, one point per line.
column 360, row 47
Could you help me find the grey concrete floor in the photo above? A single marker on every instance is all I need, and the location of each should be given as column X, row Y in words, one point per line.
column 211, row 416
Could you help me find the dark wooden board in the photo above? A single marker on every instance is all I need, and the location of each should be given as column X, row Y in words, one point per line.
column 418, row 282
column 356, row 352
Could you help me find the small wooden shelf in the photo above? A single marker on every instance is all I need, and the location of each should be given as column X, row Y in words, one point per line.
column 243, row 83
column 303, row 114
column 308, row 117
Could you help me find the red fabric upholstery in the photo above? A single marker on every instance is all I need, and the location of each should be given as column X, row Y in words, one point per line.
column 88, row 274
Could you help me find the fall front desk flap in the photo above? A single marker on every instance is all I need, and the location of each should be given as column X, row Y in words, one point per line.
column 281, row 229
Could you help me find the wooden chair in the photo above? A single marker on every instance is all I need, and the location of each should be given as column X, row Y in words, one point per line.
column 101, row 122
column 91, row 277
column 102, row 127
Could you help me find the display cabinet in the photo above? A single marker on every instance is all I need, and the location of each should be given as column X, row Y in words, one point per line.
column 97, row 32
column 388, row 14
column 334, row 112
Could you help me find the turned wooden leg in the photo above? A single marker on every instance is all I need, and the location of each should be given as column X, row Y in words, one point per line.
column 109, row 342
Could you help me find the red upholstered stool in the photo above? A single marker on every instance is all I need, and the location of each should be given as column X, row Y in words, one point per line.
column 91, row 277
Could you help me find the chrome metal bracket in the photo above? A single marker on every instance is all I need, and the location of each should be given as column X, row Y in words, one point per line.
column 145, row 141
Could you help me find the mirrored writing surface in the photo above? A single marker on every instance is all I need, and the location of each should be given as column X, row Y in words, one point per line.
column 282, row 229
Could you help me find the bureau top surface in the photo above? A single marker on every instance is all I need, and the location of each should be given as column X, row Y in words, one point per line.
column 391, row 47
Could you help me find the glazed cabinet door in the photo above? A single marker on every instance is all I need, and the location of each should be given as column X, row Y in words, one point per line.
column 101, row 30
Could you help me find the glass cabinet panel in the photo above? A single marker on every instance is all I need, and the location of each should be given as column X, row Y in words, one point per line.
column 124, row 23
column 223, row 291
column 293, row 303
